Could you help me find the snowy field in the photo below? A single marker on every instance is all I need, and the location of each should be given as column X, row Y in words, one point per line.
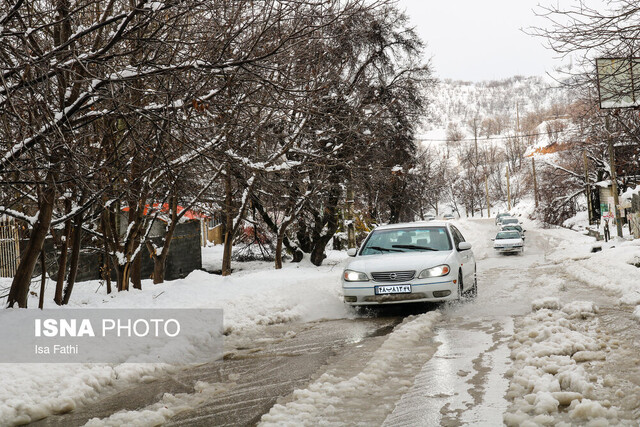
column 555, row 346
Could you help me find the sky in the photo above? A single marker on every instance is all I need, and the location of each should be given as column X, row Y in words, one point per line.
column 481, row 40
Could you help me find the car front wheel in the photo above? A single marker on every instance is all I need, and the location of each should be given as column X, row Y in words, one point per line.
column 473, row 292
column 460, row 286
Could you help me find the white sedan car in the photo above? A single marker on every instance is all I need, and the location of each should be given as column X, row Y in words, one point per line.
column 508, row 241
column 410, row 262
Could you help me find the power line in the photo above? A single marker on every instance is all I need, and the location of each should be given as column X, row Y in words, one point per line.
column 491, row 138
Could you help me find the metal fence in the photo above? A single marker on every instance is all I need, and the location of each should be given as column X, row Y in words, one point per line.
column 9, row 247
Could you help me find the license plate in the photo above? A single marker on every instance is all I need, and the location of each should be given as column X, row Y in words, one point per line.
column 393, row 289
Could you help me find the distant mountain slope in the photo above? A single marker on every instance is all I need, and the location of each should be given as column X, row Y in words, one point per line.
column 455, row 103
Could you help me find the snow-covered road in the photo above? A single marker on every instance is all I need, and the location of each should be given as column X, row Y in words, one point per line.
column 542, row 344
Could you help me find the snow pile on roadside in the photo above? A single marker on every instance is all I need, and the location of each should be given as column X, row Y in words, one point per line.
column 166, row 408
column 30, row 391
column 613, row 269
column 579, row 221
column 250, row 298
column 549, row 381
column 373, row 392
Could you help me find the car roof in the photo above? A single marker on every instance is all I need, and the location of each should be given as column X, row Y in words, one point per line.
column 413, row 225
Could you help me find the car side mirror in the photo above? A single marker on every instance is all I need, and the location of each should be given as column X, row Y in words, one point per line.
column 463, row 246
column 352, row 252
column 493, row 240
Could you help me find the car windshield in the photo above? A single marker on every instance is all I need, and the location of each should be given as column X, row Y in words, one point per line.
column 512, row 227
column 507, row 235
column 510, row 220
column 407, row 240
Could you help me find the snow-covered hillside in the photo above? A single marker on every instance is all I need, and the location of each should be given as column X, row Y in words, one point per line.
column 456, row 103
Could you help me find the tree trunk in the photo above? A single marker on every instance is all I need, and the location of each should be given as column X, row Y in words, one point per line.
column 226, row 254
column 228, row 229
column 278, row 255
column 158, row 269
column 62, row 269
column 136, row 268
column 75, row 258
column 106, row 272
column 43, row 280
column 317, row 254
column 123, row 271
column 106, row 266
column 62, row 261
column 160, row 260
column 19, row 292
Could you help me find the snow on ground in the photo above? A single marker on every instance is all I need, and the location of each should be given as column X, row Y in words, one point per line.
column 549, row 382
column 613, row 268
column 389, row 373
column 163, row 410
column 255, row 295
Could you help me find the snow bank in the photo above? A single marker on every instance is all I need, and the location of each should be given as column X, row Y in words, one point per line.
column 613, row 269
column 162, row 411
column 548, row 378
column 255, row 295
column 371, row 394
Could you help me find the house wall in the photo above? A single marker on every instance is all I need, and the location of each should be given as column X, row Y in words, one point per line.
column 215, row 235
column 634, row 216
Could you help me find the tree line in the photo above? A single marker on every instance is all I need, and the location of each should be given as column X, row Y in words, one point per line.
column 259, row 111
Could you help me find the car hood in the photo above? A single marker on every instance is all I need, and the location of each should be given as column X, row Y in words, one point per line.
column 501, row 242
column 399, row 262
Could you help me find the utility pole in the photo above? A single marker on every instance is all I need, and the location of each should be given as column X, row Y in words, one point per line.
column 486, row 187
column 535, row 181
column 508, row 191
column 586, row 180
column 614, row 185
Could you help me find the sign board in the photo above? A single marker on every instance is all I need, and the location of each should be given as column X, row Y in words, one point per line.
column 618, row 82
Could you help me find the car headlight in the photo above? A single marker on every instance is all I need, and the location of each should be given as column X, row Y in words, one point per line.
column 354, row 276
column 441, row 270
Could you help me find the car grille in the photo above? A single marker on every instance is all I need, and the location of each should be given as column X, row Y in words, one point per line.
column 393, row 276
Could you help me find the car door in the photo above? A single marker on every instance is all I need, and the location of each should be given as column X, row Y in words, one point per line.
column 466, row 257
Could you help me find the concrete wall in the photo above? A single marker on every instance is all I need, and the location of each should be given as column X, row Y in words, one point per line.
column 185, row 254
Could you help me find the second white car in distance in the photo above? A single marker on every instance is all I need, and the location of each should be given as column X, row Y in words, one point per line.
column 508, row 242
column 410, row 262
